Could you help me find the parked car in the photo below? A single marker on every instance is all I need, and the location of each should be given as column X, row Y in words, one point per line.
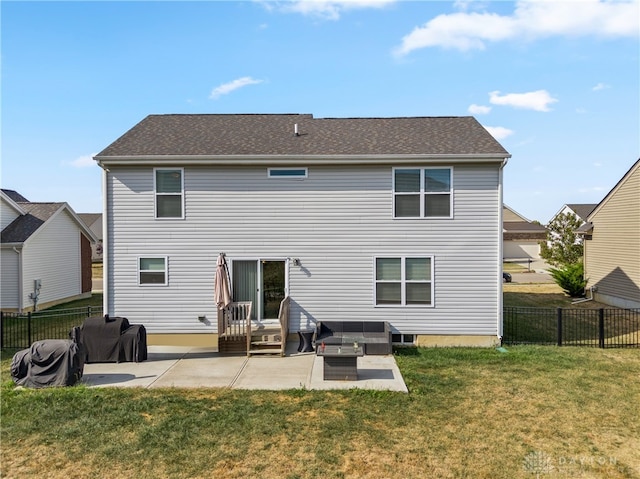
column 506, row 277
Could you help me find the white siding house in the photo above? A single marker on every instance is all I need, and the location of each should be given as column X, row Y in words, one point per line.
column 394, row 219
column 46, row 255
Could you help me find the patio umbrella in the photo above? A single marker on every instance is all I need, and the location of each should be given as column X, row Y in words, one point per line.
column 222, row 292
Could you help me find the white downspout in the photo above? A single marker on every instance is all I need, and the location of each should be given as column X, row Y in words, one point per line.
column 20, row 285
column 105, row 245
column 500, row 250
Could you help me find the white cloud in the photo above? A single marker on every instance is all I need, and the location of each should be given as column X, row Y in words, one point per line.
column 227, row 88
column 530, row 20
column 581, row 111
column 538, row 100
column 325, row 9
column 83, row 161
column 478, row 109
column 601, row 86
column 498, row 132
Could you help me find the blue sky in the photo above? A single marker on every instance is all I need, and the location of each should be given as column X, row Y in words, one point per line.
column 557, row 83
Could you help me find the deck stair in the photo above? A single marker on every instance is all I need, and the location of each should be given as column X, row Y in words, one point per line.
column 270, row 339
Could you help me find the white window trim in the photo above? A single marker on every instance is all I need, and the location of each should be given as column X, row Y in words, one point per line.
column 288, row 177
column 166, row 271
column 403, row 282
column 156, row 194
column 422, row 193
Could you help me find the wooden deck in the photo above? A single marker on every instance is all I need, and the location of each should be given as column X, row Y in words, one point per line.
column 237, row 334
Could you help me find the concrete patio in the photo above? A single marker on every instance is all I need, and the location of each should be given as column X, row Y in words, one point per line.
column 185, row 367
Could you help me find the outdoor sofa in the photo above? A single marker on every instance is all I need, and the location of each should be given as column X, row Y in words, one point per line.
column 375, row 335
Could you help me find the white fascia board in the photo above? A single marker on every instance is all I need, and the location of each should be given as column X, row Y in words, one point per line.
column 12, row 203
column 287, row 160
column 11, row 245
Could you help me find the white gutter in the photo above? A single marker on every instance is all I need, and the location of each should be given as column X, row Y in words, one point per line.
column 20, row 285
column 500, row 250
column 156, row 160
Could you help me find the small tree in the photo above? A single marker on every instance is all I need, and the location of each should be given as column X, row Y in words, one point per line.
column 570, row 279
column 563, row 246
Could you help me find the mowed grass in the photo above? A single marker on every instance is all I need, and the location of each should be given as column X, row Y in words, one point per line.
column 542, row 295
column 529, row 412
column 476, row 413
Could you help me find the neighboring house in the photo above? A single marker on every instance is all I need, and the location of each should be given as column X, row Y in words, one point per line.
column 94, row 222
column 581, row 210
column 521, row 236
column 612, row 244
column 46, row 254
column 394, row 219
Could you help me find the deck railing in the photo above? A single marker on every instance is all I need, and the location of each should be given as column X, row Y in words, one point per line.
column 233, row 320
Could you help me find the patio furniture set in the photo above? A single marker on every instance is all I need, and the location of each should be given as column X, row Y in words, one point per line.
column 340, row 343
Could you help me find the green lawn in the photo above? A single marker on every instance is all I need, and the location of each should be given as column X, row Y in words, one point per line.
column 94, row 300
column 530, row 412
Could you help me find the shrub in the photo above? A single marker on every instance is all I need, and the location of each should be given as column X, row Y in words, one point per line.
column 570, row 279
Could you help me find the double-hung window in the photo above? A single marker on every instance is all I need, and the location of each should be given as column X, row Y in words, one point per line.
column 152, row 270
column 422, row 193
column 169, row 191
column 404, row 281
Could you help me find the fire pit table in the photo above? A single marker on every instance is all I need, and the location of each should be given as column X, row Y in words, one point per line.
column 340, row 361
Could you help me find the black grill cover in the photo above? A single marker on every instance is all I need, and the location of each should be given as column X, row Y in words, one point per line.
column 133, row 344
column 52, row 362
column 101, row 338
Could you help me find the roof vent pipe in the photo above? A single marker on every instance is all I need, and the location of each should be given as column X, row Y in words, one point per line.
column 295, row 129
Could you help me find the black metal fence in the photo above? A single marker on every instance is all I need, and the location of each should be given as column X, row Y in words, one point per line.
column 603, row 328
column 19, row 330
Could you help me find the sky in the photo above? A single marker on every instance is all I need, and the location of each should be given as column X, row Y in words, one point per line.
column 557, row 83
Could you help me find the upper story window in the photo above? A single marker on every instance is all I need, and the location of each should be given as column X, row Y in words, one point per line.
column 169, row 191
column 293, row 173
column 422, row 193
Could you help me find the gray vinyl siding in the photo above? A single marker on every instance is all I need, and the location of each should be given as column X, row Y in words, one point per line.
column 336, row 222
column 9, row 260
column 612, row 256
column 53, row 255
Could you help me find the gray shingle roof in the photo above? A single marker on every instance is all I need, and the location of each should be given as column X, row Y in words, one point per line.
column 583, row 210
column 15, row 196
column 273, row 134
column 523, row 226
column 20, row 229
column 89, row 218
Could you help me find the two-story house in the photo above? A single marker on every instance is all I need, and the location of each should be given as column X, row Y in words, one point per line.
column 45, row 254
column 394, row 219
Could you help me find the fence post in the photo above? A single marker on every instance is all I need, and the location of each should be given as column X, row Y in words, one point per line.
column 89, row 311
column 1, row 329
column 559, row 316
column 29, row 327
column 601, row 328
